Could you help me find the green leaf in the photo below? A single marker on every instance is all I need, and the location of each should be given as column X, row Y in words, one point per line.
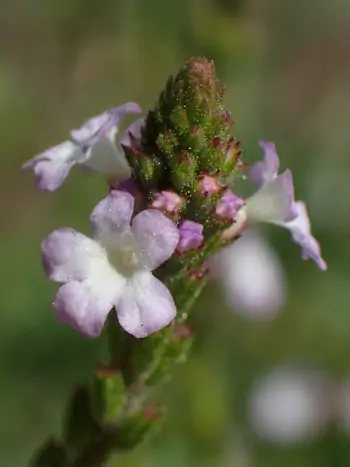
column 52, row 454
column 79, row 426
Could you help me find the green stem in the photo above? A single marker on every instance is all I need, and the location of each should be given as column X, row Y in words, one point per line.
column 97, row 452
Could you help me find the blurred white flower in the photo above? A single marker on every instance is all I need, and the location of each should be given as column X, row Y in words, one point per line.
column 341, row 404
column 288, row 406
column 252, row 276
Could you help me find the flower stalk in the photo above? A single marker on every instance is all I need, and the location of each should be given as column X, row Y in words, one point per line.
column 183, row 140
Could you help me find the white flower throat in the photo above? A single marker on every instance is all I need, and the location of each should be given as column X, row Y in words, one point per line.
column 128, row 257
column 123, row 255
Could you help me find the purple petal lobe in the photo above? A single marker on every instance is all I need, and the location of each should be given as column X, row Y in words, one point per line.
column 52, row 166
column 156, row 235
column 301, row 234
column 69, row 255
column 132, row 132
column 102, row 124
column 191, row 236
column 112, row 214
column 91, row 127
column 122, row 110
column 266, row 170
column 85, row 305
column 146, row 305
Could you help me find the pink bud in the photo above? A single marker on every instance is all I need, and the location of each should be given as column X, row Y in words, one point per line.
column 167, row 201
column 209, row 186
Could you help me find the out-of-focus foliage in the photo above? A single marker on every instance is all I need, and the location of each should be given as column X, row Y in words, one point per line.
column 286, row 67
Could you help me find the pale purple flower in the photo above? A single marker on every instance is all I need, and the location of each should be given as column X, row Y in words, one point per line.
column 288, row 406
column 113, row 269
column 167, row 201
column 228, row 205
column 191, row 236
column 92, row 146
column 251, row 275
column 274, row 203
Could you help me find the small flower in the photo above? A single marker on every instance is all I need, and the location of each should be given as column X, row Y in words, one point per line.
column 209, row 186
column 167, row 201
column 288, row 406
column 191, row 236
column 228, row 206
column 113, row 269
column 274, row 203
column 251, row 275
column 92, row 146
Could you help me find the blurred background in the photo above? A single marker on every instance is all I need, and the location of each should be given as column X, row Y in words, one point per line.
column 260, row 389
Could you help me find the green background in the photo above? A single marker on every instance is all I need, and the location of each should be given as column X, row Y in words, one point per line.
column 287, row 70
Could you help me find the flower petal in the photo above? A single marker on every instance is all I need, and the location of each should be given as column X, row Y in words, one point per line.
column 69, row 255
column 146, row 305
column 122, row 110
column 266, row 170
column 105, row 157
column 85, row 305
column 133, row 131
column 273, row 202
column 112, row 214
column 157, row 237
column 301, row 234
column 102, row 124
column 52, row 166
column 91, row 127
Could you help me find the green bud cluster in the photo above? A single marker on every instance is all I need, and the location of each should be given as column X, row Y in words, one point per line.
column 187, row 134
